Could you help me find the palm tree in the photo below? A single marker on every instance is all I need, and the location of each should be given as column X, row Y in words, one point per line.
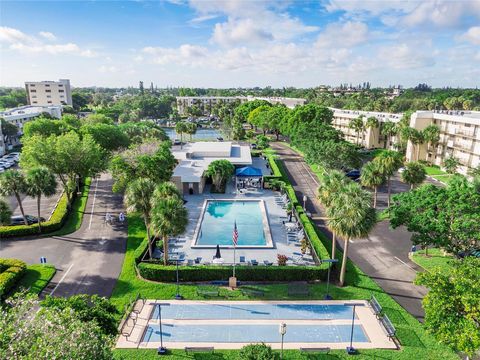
column 191, row 129
column 352, row 217
column 413, row 174
column 372, row 124
column 181, row 128
column 330, row 184
column 451, row 164
column 389, row 162
column 40, row 181
column 220, row 171
column 372, row 177
column 431, row 135
column 169, row 218
column 389, row 129
column 12, row 182
column 357, row 125
column 166, row 190
column 138, row 198
column 416, row 138
column 5, row 213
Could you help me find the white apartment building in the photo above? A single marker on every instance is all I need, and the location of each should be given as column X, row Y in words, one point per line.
column 370, row 138
column 19, row 116
column 49, row 93
column 459, row 137
column 206, row 103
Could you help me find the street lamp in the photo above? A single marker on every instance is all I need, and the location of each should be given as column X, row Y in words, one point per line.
column 161, row 350
column 305, row 202
column 330, row 261
column 177, row 295
column 350, row 349
column 282, row 330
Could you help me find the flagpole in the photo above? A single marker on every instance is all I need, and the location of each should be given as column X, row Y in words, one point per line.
column 234, row 258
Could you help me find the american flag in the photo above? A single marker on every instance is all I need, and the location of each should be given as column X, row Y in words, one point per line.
column 235, row 235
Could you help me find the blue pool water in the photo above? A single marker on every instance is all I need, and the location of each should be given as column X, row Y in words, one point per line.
column 255, row 312
column 249, row 333
column 218, row 222
column 201, row 134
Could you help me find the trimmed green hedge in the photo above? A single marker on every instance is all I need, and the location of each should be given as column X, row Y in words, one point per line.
column 11, row 271
column 161, row 273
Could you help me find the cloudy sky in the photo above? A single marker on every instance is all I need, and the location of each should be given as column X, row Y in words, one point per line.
column 230, row 43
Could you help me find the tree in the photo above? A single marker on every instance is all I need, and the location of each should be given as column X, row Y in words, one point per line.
column 181, row 128
column 474, row 172
column 220, row 171
column 97, row 119
column 49, row 333
column 372, row 177
column 431, row 134
column 238, row 132
column 191, row 129
column 109, row 137
column 8, row 130
column 357, row 125
column 372, row 124
column 389, row 162
column 446, row 217
column 40, row 181
column 351, row 216
column 414, row 173
column 138, row 198
column 43, row 127
column 258, row 117
column 80, row 100
column 169, row 218
column 416, row 138
column 332, row 154
column 451, row 306
column 12, row 182
column 330, row 183
column 5, row 213
column 262, row 142
column 451, row 164
column 389, row 129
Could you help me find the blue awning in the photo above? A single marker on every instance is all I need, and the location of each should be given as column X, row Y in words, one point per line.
column 248, row 171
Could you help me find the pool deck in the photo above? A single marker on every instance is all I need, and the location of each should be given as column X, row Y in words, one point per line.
column 377, row 338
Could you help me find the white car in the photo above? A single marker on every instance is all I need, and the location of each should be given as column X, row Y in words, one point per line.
column 2, row 169
column 401, row 170
column 6, row 164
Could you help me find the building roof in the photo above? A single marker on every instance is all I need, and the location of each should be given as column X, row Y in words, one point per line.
column 248, row 171
column 381, row 116
column 27, row 111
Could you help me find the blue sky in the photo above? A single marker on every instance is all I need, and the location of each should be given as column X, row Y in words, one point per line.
column 231, row 43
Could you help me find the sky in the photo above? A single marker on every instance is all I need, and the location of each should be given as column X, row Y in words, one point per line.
column 241, row 43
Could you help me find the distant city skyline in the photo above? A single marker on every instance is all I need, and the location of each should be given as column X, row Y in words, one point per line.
column 223, row 44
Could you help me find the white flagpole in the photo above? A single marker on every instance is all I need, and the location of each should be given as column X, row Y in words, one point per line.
column 234, row 257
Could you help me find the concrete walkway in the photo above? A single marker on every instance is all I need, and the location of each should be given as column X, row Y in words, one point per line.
column 88, row 261
column 383, row 256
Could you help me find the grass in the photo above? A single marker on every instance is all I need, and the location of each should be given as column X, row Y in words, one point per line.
column 36, row 278
column 438, row 174
column 435, row 259
column 74, row 219
column 383, row 215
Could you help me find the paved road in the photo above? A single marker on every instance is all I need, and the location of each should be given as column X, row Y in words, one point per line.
column 383, row 256
column 87, row 261
column 30, row 204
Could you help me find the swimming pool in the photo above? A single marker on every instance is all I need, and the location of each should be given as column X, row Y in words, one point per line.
column 216, row 224
column 201, row 134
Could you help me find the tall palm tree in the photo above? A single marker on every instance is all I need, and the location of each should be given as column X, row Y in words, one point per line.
column 414, row 173
column 431, row 135
column 5, row 213
column 357, row 125
column 330, row 184
column 372, row 124
column 166, row 190
column 416, row 139
column 389, row 162
column 372, row 177
column 169, row 218
column 138, row 198
column 352, row 217
column 12, row 182
column 389, row 129
column 40, row 181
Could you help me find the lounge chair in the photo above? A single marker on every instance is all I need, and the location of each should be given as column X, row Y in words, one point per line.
column 198, row 260
column 242, row 259
column 267, row 263
column 254, row 262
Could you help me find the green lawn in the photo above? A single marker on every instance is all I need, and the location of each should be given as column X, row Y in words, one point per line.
column 435, row 259
column 36, row 278
column 74, row 219
column 438, row 174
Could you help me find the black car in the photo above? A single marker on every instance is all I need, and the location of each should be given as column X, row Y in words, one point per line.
column 18, row 220
column 353, row 174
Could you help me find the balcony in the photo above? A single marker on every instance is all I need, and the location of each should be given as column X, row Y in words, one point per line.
column 463, row 145
column 465, row 132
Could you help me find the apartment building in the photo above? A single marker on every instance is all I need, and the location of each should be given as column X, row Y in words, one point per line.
column 206, row 103
column 369, row 138
column 49, row 93
column 19, row 116
column 459, row 137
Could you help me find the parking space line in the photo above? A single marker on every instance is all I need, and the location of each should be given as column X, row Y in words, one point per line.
column 93, row 204
column 63, row 278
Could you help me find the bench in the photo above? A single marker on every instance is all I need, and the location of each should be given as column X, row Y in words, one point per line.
column 324, row 350
column 252, row 292
column 375, row 305
column 387, row 324
column 208, row 293
column 191, row 349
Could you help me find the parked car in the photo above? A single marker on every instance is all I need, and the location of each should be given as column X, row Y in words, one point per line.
column 13, row 159
column 176, row 142
column 2, row 169
column 353, row 174
column 18, row 220
column 220, row 138
column 253, row 146
column 401, row 170
column 474, row 253
column 6, row 164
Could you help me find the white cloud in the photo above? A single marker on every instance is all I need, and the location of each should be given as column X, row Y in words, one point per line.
column 343, row 35
column 108, row 69
column 407, row 56
column 186, row 54
column 47, row 35
column 11, row 35
column 472, row 35
column 244, row 31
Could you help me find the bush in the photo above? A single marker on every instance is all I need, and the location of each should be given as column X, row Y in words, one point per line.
column 282, row 260
column 161, row 273
column 257, row 352
column 11, row 271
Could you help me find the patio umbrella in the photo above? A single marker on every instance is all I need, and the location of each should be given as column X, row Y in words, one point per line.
column 217, row 254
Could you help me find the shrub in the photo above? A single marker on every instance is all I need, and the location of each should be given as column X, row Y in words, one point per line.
column 257, row 352
column 282, row 260
column 11, row 271
column 161, row 273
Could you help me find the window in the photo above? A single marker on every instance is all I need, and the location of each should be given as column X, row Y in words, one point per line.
column 48, row 91
column 60, row 85
column 49, row 101
column 33, row 90
column 34, row 96
column 34, row 102
column 61, row 91
column 49, row 96
column 47, row 85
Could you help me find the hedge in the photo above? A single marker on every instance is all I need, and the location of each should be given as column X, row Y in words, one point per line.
column 11, row 271
column 161, row 273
